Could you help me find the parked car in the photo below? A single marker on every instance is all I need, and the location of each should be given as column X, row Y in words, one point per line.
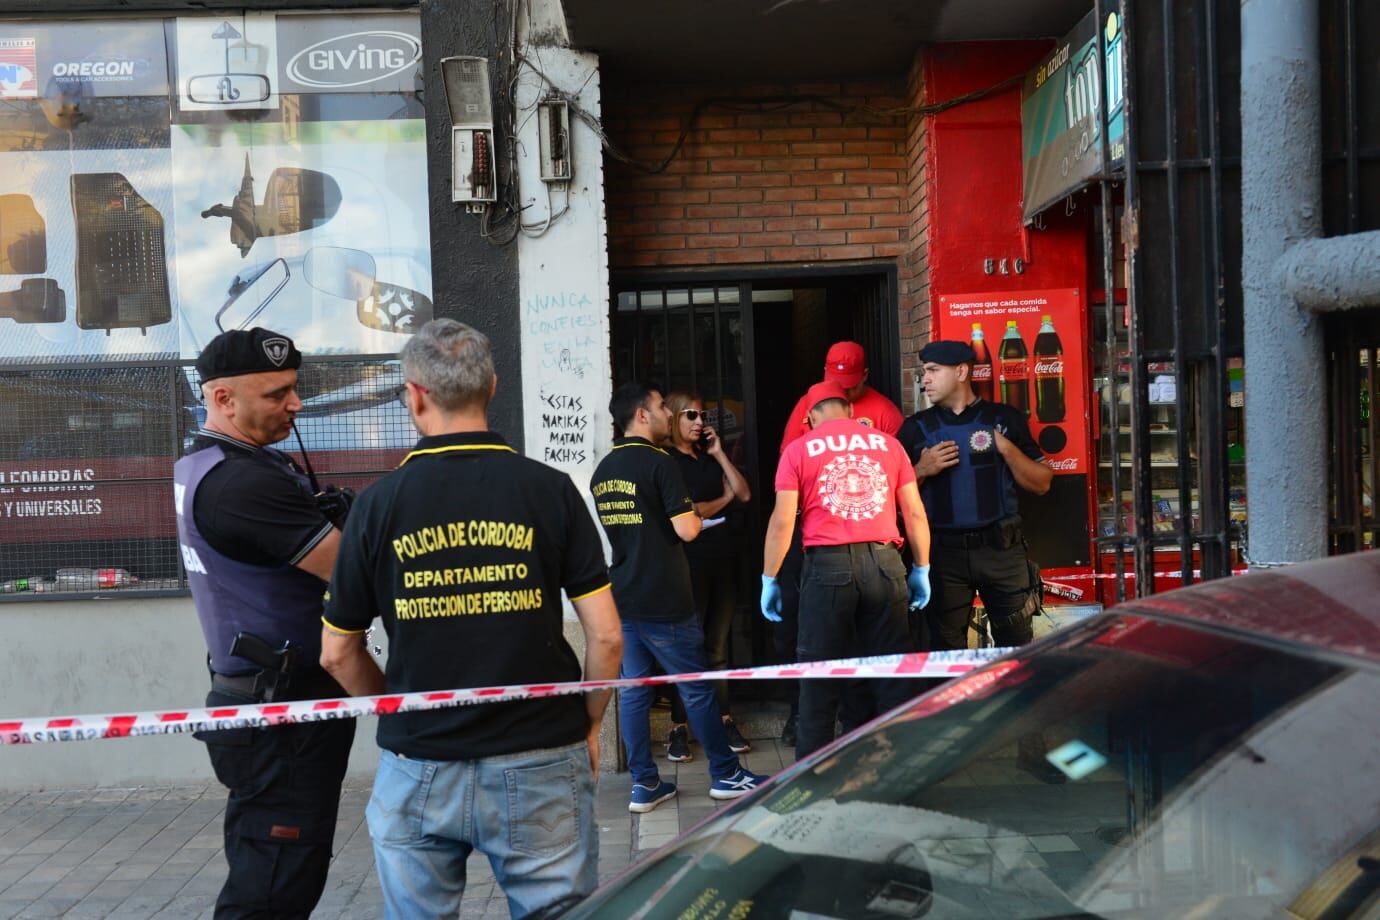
column 1209, row 752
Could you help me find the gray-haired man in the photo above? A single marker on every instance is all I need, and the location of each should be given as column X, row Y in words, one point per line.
column 463, row 552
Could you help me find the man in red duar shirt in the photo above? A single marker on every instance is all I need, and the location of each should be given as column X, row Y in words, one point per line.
column 847, row 479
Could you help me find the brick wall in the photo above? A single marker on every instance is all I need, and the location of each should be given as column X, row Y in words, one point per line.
column 913, row 274
column 801, row 184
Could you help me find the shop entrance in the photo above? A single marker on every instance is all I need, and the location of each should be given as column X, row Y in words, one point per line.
column 750, row 345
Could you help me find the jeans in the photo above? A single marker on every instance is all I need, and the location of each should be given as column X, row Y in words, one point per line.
column 678, row 647
column 715, row 585
column 852, row 602
column 531, row 813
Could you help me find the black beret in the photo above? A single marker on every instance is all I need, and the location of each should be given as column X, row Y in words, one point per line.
column 247, row 351
column 948, row 353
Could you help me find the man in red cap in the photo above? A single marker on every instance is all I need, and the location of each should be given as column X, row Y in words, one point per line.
column 847, row 479
column 846, row 365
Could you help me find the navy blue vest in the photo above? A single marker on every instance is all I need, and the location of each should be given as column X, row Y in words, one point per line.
column 278, row 605
column 980, row 490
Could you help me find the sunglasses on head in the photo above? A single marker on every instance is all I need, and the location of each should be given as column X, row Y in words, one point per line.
column 693, row 415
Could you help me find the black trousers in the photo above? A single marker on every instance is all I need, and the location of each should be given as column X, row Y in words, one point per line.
column 280, row 816
column 852, row 602
column 1000, row 574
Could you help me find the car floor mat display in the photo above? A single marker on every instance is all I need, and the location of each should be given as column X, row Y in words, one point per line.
column 295, row 200
column 38, row 300
column 122, row 272
column 23, row 237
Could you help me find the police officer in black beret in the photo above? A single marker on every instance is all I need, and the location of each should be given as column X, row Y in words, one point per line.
column 258, row 549
column 970, row 456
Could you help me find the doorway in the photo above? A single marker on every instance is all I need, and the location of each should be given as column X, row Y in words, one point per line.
column 750, row 344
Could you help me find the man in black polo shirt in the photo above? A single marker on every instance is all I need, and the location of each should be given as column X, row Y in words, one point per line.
column 258, row 549
column 463, row 551
column 646, row 511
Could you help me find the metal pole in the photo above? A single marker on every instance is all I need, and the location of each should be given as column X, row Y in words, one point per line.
column 1286, row 384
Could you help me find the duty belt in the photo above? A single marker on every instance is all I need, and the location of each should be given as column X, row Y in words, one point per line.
column 843, row 547
column 250, row 686
column 998, row 535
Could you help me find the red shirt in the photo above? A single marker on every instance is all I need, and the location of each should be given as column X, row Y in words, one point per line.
column 847, row 475
column 871, row 408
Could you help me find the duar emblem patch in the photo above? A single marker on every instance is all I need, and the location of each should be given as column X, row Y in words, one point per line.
column 276, row 350
column 854, row 487
column 980, row 441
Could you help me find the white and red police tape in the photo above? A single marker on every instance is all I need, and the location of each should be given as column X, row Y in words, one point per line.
column 264, row 715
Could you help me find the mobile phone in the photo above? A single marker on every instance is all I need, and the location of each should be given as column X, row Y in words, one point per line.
column 705, row 441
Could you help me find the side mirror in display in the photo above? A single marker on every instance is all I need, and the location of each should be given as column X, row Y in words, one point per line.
column 295, row 200
column 250, row 292
column 344, row 273
column 38, row 300
column 392, row 308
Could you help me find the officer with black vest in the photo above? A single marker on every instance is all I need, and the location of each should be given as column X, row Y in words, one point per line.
column 970, row 456
column 258, row 549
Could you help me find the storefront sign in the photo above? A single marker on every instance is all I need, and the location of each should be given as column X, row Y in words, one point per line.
column 117, row 59
column 350, row 54
column 18, row 68
column 227, row 64
column 1061, row 118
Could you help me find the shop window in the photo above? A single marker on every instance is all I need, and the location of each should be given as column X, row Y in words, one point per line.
column 166, row 179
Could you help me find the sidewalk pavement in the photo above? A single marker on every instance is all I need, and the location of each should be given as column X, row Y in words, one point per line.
column 156, row 852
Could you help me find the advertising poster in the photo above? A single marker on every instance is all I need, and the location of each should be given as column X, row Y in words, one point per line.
column 312, row 230
column 1030, row 356
column 162, row 180
column 1061, row 117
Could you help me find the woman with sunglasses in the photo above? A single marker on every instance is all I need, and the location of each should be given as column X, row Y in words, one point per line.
column 716, row 487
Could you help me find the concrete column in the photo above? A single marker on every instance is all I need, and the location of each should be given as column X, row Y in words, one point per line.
column 1281, row 177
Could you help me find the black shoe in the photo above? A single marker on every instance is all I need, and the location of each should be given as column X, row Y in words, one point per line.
column 788, row 732
column 678, row 745
column 736, row 742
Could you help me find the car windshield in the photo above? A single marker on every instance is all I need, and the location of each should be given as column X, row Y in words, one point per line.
column 1134, row 768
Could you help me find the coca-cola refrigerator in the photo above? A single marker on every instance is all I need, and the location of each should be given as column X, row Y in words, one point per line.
column 1032, row 349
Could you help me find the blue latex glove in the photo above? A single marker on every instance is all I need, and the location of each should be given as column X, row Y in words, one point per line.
column 919, row 583
column 771, row 599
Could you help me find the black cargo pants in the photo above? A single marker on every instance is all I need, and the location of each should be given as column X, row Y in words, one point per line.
column 280, row 816
column 852, row 602
column 993, row 563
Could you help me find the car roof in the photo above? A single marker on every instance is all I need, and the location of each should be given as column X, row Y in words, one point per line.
column 1331, row 604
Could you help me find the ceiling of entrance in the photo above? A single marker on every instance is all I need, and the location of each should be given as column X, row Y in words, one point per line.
column 693, row 40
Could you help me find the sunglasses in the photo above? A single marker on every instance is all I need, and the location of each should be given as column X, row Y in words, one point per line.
column 401, row 392
column 693, row 415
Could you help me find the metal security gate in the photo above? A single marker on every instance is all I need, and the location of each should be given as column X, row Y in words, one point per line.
column 1351, row 204
column 1182, row 237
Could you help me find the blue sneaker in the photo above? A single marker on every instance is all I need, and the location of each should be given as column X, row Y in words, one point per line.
column 738, row 784
column 645, row 798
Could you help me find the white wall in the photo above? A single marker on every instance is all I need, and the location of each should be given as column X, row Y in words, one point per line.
column 87, row 657
column 563, row 278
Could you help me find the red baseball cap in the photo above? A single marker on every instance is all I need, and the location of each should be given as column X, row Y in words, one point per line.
column 827, row 389
column 846, row 364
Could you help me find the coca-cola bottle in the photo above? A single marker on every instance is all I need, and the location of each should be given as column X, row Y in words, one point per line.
column 982, row 367
column 1014, row 370
column 1049, row 374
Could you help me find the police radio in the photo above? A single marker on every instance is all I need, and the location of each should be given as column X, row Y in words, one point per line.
column 333, row 501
